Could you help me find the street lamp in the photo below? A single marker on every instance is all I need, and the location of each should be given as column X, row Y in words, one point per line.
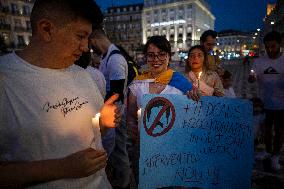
column 272, row 22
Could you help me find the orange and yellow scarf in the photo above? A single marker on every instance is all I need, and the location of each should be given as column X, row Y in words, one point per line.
column 164, row 78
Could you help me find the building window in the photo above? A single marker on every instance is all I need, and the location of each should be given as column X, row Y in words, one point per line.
column 2, row 21
column 188, row 35
column 28, row 25
column 14, row 8
column 156, row 32
column 189, row 29
column 21, row 40
column 17, row 22
column 26, row 10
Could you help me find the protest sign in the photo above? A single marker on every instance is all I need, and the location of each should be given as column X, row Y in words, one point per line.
column 206, row 144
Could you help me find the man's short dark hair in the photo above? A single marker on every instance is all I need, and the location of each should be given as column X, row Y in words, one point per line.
column 227, row 75
column 207, row 33
column 98, row 33
column 65, row 11
column 273, row 36
column 159, row 41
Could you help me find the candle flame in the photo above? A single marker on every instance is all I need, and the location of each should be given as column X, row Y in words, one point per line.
column 199, row 75
column 139, row 112
column 98, row 115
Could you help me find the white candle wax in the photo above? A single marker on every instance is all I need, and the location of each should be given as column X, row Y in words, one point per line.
column 96, row 120
column 199, row 76
column 139, row 117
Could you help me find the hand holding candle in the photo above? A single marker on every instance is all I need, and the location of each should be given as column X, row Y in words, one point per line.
column 110, row 114
column 252, row 76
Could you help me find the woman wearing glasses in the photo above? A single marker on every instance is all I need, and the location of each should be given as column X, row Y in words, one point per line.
column 206, row 81
column 159, row 79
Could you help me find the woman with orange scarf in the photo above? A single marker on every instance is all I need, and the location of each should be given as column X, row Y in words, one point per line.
column 158, row 80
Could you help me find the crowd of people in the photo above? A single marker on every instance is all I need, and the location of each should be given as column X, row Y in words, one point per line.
column 51, row 91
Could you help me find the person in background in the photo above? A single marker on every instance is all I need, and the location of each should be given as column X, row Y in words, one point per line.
column 268, row 71
column 47, row 138
column 159, row 79
column 227, row 84
column 220, row 71
column 209, row 83
column 115, row 69
column 87, row 61
column 208, row 41
column 133, row 67
column 258, row 126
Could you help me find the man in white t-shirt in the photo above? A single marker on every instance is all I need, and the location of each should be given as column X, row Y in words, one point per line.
column 47, row 138
column 268, row 71
column 115, row 69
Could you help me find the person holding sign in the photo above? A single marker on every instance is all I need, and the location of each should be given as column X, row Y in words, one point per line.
column 206, row 81
column 159, row 79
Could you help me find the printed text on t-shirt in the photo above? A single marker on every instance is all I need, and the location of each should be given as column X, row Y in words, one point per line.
column 66, row 106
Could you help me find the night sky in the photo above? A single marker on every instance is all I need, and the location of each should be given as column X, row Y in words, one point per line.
column 245, row 15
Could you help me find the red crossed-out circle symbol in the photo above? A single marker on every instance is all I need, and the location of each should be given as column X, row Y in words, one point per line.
column 167, row 107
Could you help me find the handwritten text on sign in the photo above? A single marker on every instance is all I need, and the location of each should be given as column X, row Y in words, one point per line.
column 206, row 144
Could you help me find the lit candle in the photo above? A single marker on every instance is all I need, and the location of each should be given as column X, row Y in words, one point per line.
column 198, row 80
column 96, row 120
column 138, row 117
column 95, row 124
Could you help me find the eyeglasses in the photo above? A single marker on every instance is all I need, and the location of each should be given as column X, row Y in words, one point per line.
column 161, row 56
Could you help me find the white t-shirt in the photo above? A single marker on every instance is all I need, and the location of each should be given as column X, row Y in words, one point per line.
column 270, row 77
column 47, row 114
column 141, row 87
column 115, row 69
column 229, row 92
column 99, row 78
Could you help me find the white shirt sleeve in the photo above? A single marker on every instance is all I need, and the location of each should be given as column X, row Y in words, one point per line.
column 117, row 66
column 98, row 78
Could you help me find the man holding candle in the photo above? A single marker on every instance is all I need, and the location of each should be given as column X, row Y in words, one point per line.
column 47, row 139
column 268, row 71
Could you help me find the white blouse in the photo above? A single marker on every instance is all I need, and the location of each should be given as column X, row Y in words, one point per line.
column 141, row 87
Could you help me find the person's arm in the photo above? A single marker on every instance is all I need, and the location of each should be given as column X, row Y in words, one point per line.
column 218, row 86
column 116, row 87
column 77, row 165
column 117, row 66
column 131, row 118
